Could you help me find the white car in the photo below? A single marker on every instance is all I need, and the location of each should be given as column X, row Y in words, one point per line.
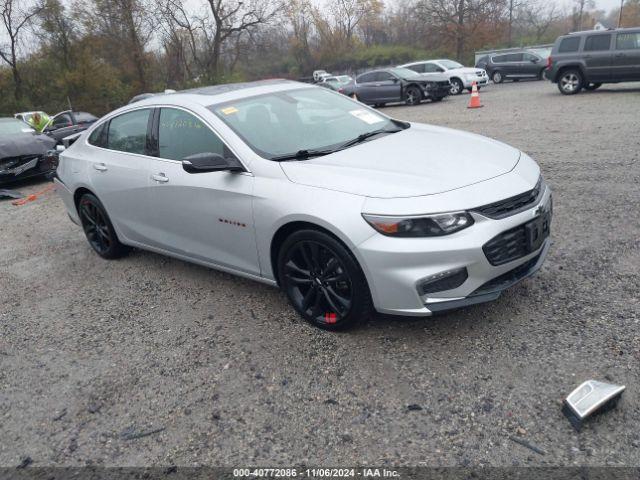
column 345, row 209
column 461, row 77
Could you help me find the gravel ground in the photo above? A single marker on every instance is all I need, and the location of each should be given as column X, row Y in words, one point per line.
column 93, row 352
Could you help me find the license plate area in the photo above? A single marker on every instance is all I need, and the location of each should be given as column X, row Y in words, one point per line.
column 537, row 230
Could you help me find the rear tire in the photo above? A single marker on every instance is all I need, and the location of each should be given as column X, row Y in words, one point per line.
column 593, row 86
column 323, row 280
column 570, row 81
column 98, row 228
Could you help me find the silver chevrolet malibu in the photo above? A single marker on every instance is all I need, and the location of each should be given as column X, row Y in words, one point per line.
column 345, row 209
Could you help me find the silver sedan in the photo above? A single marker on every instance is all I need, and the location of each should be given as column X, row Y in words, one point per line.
column 345, row 209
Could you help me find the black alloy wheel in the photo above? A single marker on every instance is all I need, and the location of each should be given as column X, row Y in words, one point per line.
column 98, row 228
column 323, row 281
column 413, row 96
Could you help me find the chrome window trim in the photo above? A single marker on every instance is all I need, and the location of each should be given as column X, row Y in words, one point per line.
column 151, row 107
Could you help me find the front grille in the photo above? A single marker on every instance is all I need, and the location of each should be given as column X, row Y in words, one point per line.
column 512, row 205
column 507, row 279
column 13, row 162
column 507, row 246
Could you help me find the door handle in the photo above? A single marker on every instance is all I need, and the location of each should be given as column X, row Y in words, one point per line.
column 101, row 167
column 160, row 177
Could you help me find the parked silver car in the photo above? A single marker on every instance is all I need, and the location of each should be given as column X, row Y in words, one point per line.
column 461, row 77
column 344, row 208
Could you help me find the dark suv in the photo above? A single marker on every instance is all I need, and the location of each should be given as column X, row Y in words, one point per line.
column 589, row 59
column 514, row 65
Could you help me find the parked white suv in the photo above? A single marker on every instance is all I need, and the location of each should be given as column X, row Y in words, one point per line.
column 461, row 77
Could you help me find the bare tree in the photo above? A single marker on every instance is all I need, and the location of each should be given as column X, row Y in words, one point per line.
column 231, row 17
column 539, row 17
column 349, row 14
column 14, row 19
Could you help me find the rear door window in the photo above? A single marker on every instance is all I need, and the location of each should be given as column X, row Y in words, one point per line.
column 597, row 43
column 570, row 44
column 128, row 132
column 628, row 41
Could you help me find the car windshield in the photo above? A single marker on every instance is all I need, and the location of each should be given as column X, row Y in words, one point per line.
column 339, row 79
column 404, row 73
column 450, row 64
column 311, row 119
column 10, row 126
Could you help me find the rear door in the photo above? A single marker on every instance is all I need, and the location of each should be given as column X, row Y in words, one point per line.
column 119, row 172
column 626, row 57
column 204, row 216
column 598, row 57
column 514, row 65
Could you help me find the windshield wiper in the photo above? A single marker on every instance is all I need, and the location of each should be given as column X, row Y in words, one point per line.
column 302, row 155
column 305, row 154
column 361, row 138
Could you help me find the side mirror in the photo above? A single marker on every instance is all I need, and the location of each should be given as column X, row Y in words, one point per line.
column 60, row 148
column 535, row 60
column 395, row 80
column 210, row 162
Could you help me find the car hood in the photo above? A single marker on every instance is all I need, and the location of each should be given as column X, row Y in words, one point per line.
column 422, row 160
column 465, row 70
column 24, row 144
column 434, row 77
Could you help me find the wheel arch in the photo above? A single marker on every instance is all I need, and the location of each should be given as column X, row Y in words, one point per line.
column 290, row 227
column 570, row 66
column 80, row 191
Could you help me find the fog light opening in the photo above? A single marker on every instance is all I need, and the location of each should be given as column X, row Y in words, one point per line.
column 443, row 281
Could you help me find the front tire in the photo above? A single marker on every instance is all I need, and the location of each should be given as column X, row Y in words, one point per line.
column 413, row 96
column 323, row 280
column 497, row 77
column 570, row 82
column 98, row 228
column 456, row 86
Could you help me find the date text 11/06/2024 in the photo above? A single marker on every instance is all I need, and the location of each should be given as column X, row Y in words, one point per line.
column 315, row 473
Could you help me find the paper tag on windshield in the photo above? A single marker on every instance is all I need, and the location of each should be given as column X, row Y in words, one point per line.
column 366, row 116
column 229, row 110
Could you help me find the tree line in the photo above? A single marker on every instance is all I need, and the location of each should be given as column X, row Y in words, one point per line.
column 96, row 54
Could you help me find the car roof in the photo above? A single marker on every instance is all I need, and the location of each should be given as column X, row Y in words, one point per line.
column 609, row 30
column 216, row 94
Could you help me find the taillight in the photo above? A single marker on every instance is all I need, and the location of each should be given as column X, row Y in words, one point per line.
column 549, row 63
column 341, row 90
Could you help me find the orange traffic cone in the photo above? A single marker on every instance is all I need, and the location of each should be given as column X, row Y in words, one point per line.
column 475, row 97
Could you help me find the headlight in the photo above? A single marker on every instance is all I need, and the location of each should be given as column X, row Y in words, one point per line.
column 422, row 226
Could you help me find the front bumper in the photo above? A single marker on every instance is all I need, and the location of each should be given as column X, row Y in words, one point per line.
column 438, row 91
column 396, row 267
column 480, row 81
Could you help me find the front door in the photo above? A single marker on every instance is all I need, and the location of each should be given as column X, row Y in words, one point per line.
column 204, row 216
column 119, row 171
column 387, row 87
column 626, row 57
column 598, row 57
